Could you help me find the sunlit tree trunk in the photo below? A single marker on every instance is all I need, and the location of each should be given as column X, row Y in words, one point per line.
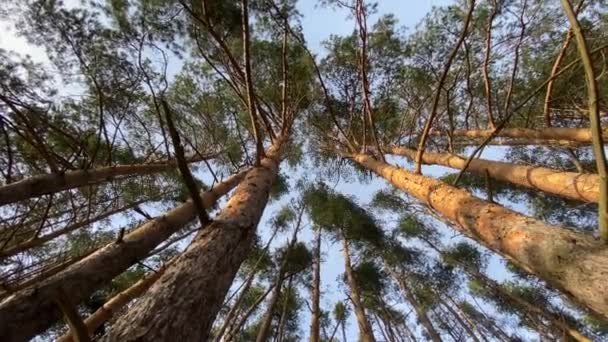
column 316, row 290
column 54, row 182
column 581, row 135
column 32, row 310
column 365, row 330
column 569, row 261
column 577, row 186
column 196, row 284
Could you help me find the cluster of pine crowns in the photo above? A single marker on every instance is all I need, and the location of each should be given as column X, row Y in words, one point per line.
column 154, row 153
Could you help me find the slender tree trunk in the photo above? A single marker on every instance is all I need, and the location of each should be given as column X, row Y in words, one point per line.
column 333, row 333
column 365, row 330
column 316, row 291
column 580, row 135
column 237, row 303
column 39, row 241
column 196, row 284
column 409, row 332
column 281, row 330
column 420, row 311
column 54, row 182
column 116, row 303
column 32, row 310
column 577, row 186
column 572, row 262
column 460, row 320
column 343, row 328
column 264, row 330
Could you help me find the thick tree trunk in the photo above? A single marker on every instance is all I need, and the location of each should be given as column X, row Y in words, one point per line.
column 316, row 291
column 116, row 303
column 54, row 182
column 577, row 186
column 581, row 135
column 32, row 310
column 420, row 311
column 572, row 262
column 264, row 330
column 40, row 240
column 196, row 284
column 366, row 333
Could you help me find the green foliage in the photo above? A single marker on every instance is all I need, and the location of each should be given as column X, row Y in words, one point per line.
column 464, row 254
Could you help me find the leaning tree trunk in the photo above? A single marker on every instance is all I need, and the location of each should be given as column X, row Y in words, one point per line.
column 580, row 135
column 54, row 182
column 572, row 262
column 366, row 333
column 234, row 330
column 420, row 311
column 32, row 310
column 460, row 320
column 116, row 303
column 316, row 291
column 282, row 321
column 196, row 284
column 577, row 186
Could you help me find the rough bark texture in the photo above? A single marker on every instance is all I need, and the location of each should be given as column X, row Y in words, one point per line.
column 115, row 304
column 581, row 135
column 577, row 186
column 366, row 333
column 54, row 182
column 196, row 284
column 32, row 310
column 572, row 262
column 316, row 291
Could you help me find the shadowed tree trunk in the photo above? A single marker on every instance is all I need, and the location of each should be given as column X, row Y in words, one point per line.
column 460, row 320
column 54, row 182
column 572, row 262
column 366, row 333
column 420, row 311
column 577, row 186
column 34, row 307
column 316, row 291
column 196, row 284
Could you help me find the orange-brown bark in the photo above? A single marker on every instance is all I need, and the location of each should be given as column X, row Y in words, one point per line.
column 572, row 262
column 573, row 185
column 580, row 135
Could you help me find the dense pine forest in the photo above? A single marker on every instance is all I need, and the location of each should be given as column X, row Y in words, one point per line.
column 196, row 170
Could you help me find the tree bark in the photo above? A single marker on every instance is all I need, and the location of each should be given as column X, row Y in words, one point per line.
column 316, row 291
column 580, row 135
column 460, row 320
column 420, row 311
column 572, row 262
column 366, row 333
column 281, row 332
column 572, row 185
column 32, row 310
column 53, row 182
column 196, row 284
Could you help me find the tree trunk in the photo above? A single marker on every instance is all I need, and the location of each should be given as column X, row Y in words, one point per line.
column 365, row 330
column 420, row 311
column 32, row 310
column 39, row 241
column 316, row 291
column 281, row 330
column 572, row 262
column 577, row 186
column 116, row 303
column 264, row 330
column 196, row 284
column 53, row 182
column 460, row 320
column 233, row 331
column 580, row 135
